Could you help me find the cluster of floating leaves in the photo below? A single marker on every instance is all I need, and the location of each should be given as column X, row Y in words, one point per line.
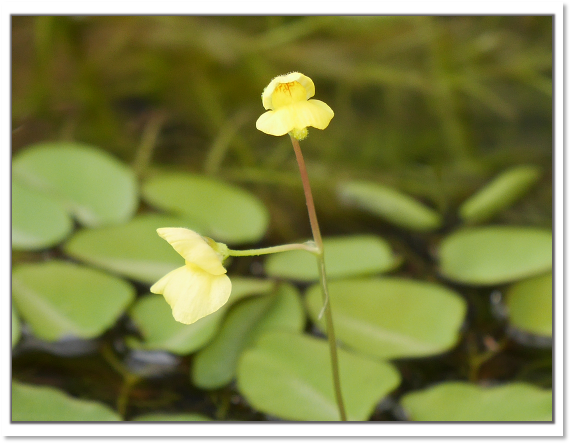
column 267, row 338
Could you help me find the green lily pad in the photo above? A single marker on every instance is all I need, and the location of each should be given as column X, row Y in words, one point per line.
column 15, row 328
column 461, row 401
column 60, row 299
column 91, row 184
column 225, row 212
column 36, row 403
column 389, row 204
column 38, row 221
column 243, row 287
column 288, row 375
column 392, row 317
column 500, row 193
column 134, row 249
column 153, row 317
column 530, row 305
column 172, row 417
column 495, row 255
column 215, row 365
column 346, row 256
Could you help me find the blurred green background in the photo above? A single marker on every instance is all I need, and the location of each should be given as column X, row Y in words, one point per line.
column 432, row 104
column 434, row 108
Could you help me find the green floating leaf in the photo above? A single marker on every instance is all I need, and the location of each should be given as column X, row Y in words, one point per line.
column 244, row 287
column 495, row 255
column 15, row 328
column 530, row 305
column 461, row 401
column 215, row 365
column 35, row 403
column 60, row 299
column 347, row 256
column 225, row 212
column 500, row 193
column 153, row 317
column 392, row 317
column 38, row 221
column 134, row 249
column 91, row 184
column 172, row 417
column 288, row 375
column 390, row 204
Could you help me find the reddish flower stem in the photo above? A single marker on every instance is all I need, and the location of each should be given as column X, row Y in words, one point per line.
column 323, row 279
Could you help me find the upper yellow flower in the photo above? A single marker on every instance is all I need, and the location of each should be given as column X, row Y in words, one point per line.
column 287, row 98
column 201, row 286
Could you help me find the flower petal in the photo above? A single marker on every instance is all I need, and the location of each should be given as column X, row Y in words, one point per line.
column 276, row 123
column 311, row 113
column 305, row 81
column 298, row 115
column 193, row 293
column 193, row 248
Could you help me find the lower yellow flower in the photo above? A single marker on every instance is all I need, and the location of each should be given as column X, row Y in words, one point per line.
column 291, row 111
column 201, row 286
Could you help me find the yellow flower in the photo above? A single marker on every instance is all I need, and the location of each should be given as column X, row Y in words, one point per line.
column 287, row 98
column 201, row 286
